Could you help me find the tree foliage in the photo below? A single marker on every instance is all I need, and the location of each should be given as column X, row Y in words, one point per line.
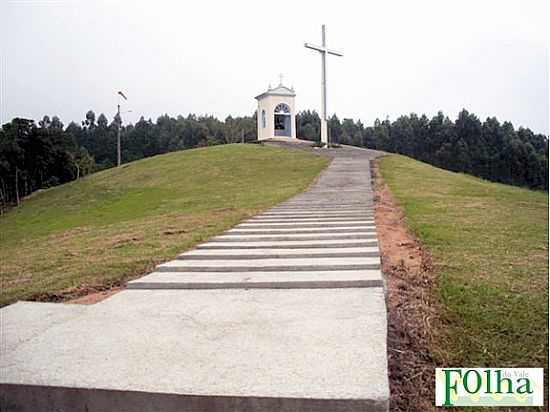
column 489, row 150
column 39, row 156
column 35, row 156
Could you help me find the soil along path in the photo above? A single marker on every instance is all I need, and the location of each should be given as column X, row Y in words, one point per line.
column 284, row 312
column 412, row 312
column 489, row 248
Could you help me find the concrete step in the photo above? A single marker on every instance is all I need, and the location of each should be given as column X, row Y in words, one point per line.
column 302, row 224
column 324, row 207
column 275, row 255
column 302, row 219
column 260, row 280
column 220, row 350
column 298, row 230
column 303, row 236
column 342, row 243
column 300, row 213
column 270, row 264
column 280, row 252
column 321, row 216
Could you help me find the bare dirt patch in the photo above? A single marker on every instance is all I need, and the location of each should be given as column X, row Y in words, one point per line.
column 81, row 295
column 408, row 271
column 94, row 297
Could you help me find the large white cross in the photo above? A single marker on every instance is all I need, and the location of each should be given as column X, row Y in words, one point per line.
column 324, row 51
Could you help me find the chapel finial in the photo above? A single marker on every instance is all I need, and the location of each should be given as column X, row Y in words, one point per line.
column 280, row 79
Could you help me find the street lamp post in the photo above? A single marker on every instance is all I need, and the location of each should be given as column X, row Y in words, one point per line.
column 119, row 123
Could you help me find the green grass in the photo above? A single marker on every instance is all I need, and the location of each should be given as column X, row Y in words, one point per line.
column 490, row 249
column 119, row 223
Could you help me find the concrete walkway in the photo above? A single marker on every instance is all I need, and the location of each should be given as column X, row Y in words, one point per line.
column 284, row 312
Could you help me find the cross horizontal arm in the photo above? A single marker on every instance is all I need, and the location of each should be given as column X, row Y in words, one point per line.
column 314, row 47
column 322, row 49
column 334, row 52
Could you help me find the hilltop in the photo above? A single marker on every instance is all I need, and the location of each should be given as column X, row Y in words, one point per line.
column 114, row 225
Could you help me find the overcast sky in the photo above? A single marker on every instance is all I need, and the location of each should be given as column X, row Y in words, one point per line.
column 212, row 57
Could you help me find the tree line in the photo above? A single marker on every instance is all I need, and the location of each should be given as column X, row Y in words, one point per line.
column 40, row 155
column 147, row 138
column 491, row 150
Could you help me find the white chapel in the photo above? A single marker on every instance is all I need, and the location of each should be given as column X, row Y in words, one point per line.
column 276, row 116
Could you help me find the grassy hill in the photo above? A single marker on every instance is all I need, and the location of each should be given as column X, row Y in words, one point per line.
column 490, row 249
column 119, row 223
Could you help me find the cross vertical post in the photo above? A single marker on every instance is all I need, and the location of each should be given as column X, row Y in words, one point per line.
column 324, row 126
column 324, row 51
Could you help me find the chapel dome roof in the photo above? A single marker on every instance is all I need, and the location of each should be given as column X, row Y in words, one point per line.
column 280, row 90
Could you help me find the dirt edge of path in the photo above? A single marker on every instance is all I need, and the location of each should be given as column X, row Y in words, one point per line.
column 94, row 297
column 412, row 313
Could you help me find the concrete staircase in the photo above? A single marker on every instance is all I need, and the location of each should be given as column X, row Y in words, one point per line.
column 284, row 312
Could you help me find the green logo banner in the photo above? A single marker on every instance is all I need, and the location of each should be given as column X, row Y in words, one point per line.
column 489, row 387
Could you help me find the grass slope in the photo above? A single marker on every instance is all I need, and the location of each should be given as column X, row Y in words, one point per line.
column 119, row 223
column 490, row 248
